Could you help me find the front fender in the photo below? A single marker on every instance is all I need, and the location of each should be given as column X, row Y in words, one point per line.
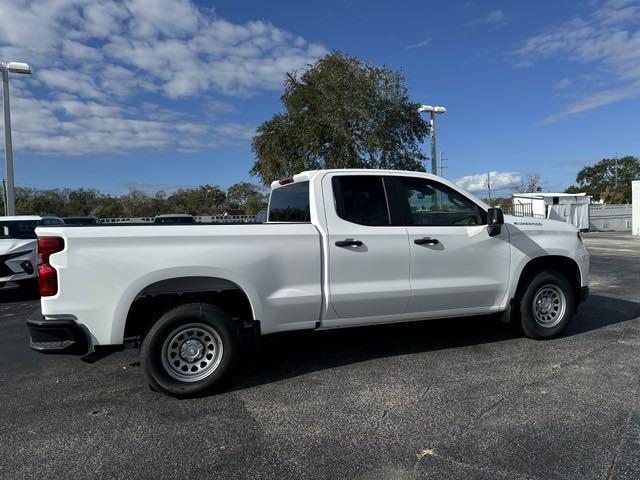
column 540, row 238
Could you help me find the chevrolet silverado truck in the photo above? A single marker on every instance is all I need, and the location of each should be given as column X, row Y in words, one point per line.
column 340, row 248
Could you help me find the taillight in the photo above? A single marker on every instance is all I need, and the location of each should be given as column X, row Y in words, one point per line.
column 286, row 181
column 47, row 275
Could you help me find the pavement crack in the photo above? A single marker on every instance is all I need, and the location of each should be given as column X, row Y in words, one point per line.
column 493, row 472
column 480, row 416
column 396, row 406
column 616, row 453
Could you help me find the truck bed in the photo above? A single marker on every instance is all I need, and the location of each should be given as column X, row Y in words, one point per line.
column 102, row 269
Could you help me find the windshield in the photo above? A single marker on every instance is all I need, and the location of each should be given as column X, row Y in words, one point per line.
column 18, row 229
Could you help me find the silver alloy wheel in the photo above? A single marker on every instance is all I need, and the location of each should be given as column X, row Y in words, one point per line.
column 549, row 305
column 192, row 352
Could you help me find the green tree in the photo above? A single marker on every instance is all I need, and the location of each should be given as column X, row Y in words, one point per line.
column 342, row 112
column 609, row 179
column 203, row 200
column 254, row 204
column 239, row 193
column 109, row 207
column 573, row 189
column 136, row 204
column 31, row 201
column 80, row 202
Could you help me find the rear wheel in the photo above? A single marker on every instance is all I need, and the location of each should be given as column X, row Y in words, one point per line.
column 547, row 305
column 189, row 350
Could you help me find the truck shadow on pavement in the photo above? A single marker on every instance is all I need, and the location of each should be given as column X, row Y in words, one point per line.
column 22, row 294
column 284, row 356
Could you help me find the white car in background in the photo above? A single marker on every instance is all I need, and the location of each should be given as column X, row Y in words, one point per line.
column 18, row 263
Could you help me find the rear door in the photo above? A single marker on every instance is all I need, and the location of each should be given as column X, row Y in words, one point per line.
column 368, row 256
column 455, row 264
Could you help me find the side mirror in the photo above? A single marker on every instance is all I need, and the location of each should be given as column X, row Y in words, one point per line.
column 495, row 220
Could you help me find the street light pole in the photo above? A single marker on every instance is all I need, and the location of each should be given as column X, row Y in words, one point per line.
column 10, row 201
column 13, row 67
column 434, row 154
column 434, row 151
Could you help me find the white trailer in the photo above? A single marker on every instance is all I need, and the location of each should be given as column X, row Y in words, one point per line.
column 568, row 207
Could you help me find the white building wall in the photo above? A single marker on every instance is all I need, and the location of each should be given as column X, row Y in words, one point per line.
column 635, row 215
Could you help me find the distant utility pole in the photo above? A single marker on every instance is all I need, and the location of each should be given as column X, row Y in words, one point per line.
column 442, row 167
column 616, row 171
column 489, row 185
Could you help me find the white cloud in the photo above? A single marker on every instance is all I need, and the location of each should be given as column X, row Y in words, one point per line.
column 422, row 44
column 499, row 181
column 111, row 76
column 562, row 83
column 608, row 38
column 494, row 17
column 75, row 127
column 601, row 98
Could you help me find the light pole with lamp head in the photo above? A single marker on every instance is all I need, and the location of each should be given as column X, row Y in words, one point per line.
column 13, row 67
column 433, row 111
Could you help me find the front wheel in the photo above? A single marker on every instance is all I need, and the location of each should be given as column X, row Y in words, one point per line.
column 547, row 305
column 189, row 350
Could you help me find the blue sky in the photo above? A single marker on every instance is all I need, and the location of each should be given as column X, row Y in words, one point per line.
column 159, row 94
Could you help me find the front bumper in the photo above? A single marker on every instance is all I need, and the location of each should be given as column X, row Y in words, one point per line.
column 58, row 336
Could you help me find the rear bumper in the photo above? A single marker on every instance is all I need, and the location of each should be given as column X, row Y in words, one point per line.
column 58, row 336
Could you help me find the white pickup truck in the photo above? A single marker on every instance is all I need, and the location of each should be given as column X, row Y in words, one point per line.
column 340, row 248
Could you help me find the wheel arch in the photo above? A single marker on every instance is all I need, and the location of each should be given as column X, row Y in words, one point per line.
column 564, row 265
column 161, row 290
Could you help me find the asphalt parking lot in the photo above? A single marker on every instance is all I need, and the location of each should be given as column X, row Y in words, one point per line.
column 457, row 399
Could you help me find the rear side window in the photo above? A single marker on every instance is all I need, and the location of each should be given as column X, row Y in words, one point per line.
column 290, row 203
column 361, row 199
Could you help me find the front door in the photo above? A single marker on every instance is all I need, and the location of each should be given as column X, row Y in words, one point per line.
column 455, row 264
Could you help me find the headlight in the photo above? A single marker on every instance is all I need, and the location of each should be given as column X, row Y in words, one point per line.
column 579, row 236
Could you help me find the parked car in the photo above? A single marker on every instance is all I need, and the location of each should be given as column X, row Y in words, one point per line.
column 18, row 249
column 174, row 219
column 341, row 248
column 81, row 220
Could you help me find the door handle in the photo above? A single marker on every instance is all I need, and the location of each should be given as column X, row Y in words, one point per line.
column 349, row 242
column 426, row 241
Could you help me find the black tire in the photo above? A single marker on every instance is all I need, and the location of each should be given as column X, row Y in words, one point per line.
column 556, row 304
column 205, row 331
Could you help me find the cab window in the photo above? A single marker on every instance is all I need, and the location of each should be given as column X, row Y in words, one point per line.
column 361, row 199
column 426, row 202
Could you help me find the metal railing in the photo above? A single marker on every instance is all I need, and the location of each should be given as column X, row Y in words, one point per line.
column 198, row 219
column 519, row 210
